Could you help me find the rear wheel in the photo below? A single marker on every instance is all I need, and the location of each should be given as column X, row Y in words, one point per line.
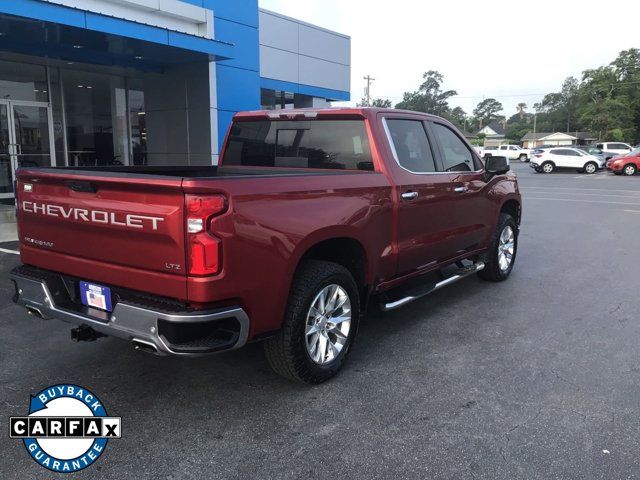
column 524, row 158
column 591, row 168
column 503, row 249
column 320, row 324
column 629, row 170
column 548, row 167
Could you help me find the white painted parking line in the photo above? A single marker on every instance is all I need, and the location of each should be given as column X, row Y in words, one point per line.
column 580, row 188
column 581, row 201
column 632, row 211
column 585, row 194
column 13, row 252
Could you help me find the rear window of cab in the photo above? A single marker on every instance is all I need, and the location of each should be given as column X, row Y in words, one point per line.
column 321, row 144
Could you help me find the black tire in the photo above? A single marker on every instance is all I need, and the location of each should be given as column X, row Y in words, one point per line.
column 629, row 170
column 492, row 271
column 590, row 168
column 287, row 351
column 547, row 167
column 523, row 158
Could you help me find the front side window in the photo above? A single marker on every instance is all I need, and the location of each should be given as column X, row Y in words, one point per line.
column 324, row 144
column 411, row 145
column 456, row 157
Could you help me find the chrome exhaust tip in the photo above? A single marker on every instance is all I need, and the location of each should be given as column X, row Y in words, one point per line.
column 143, row 346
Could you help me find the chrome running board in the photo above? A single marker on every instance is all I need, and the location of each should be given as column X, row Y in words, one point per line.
column 420, row 292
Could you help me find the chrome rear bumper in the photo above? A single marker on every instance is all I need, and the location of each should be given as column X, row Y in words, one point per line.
column 47, row 294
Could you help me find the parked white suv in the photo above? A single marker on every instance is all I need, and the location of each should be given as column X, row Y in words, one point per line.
column 548, row 160
column 615, row 147
column 512, row 152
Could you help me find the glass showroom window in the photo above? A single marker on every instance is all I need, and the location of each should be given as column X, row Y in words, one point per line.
column 96, row 118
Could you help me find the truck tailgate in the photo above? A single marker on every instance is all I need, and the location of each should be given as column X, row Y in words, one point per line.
column 131, row 224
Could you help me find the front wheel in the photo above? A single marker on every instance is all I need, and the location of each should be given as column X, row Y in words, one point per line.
column 503, row 250
column 630, row 170
column 320, row 324
column 548, row 167
column 591, row 168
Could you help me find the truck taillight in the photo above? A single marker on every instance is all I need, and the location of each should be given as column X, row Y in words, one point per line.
column 205, row 249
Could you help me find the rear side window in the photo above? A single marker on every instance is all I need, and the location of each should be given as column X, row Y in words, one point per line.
column 618, row 146
column 324, row 144
column 411, row 145
column 566, row 152
column 455, row 154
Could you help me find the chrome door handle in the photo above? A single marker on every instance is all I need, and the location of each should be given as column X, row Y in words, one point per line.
column 461, row 189
column 410, row 195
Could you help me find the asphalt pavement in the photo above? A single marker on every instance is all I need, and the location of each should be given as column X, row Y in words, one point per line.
column 534, row 378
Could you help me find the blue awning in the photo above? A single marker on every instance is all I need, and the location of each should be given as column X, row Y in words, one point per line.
column 44, row 29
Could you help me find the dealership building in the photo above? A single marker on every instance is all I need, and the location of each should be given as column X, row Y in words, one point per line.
column 150, row 82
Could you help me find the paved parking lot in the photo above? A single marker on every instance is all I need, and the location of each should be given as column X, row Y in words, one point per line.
column 538, row 377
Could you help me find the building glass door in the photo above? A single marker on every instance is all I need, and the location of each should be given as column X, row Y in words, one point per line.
column 25, row 139
column 6, row 152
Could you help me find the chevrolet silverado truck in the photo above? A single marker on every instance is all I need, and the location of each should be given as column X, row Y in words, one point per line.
column 310, row 217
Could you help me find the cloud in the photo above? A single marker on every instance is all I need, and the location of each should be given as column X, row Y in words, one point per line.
column 513, row 51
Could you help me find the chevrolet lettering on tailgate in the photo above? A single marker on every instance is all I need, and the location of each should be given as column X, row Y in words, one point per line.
column 128, row 220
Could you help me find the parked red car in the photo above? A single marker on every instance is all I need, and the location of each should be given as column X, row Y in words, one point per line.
column 312, row 215
column 628, row 164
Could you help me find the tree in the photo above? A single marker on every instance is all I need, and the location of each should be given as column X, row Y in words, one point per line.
column 521, row 107
column 487, row 111
column 381, row 103
column 376, row 102
column 429, row 98
column 458, row 117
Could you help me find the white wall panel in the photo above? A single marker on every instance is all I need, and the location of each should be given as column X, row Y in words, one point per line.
column 321, row 73
column 278, row 32
column 295, row 51
column 325, row 45
column 170, row 14
column 279, row 64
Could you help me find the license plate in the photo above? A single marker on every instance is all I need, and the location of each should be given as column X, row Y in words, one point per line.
column 95, row 296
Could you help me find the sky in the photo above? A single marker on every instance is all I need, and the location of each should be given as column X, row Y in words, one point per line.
column 513, row 51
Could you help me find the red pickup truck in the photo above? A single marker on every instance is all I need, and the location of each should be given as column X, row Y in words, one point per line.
column 311, row 216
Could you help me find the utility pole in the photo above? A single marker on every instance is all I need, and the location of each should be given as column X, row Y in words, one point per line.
column 367, row 89
column 535, row 124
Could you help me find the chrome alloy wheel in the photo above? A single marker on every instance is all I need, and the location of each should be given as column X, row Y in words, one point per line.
column 506, row 248
column 547, row 168
column 629, row 170
column 328, row 324
column 590, row 168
